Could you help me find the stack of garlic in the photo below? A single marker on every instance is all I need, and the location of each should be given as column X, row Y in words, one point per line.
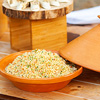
column 34, row 4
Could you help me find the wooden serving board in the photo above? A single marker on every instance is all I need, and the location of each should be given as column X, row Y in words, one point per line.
column 54, row 12
column 84, row 87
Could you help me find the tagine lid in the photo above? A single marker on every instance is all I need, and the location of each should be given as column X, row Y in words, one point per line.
column 84, row 50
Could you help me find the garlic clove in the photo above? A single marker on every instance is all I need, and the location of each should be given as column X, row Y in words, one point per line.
column 35, row 6
column 28, row 0
column 55, row 3
column 45, row 5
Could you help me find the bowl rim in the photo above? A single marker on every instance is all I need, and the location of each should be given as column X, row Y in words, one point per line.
column 38, row 80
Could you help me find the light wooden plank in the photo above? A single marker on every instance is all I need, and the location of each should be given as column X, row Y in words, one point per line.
column 80, row 29
column 76, row 31
column 7, row 88
column 5, row 47
column 82, row 89
column 55, row 95
column 2, row 55
column 3, row 79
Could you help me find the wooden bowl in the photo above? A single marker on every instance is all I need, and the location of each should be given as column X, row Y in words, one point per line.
column 36, row 85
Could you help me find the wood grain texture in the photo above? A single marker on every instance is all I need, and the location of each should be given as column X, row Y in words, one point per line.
column 20, row 34
column 54, row 12
column 7, row 88
column 83, row 89
column 2, row 55
column 5, row 48
column 49, row 34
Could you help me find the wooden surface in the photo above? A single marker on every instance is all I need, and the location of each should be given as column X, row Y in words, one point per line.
column 84, row 87
column 54, row 12
column 49, row 34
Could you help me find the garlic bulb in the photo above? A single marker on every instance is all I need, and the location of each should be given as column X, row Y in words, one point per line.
column 45, row 4
column 35, row 6
column 55, row 3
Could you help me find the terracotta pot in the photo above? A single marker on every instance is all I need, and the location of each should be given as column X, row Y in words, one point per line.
column 36, row 85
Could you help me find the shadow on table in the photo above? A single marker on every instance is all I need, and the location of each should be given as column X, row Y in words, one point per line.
column 6, row 97
column 71, row 36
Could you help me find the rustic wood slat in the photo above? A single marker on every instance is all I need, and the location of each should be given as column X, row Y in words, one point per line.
column 82, row 89
column 79, row 29
column 5, row 47
column 2, row 55
column 7, row 88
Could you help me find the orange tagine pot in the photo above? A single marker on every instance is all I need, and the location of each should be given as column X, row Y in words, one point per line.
column 36, row 85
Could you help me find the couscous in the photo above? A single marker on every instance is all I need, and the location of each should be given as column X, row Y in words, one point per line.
column 40, row 64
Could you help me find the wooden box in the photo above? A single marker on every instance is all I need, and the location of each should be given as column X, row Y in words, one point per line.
column 44, row 29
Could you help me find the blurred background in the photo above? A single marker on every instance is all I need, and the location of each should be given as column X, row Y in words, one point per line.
column 82, row 4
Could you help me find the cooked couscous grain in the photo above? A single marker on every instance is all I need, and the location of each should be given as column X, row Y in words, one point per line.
column 39, row 64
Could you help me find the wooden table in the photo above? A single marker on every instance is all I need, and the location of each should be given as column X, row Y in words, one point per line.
column 84, row 87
